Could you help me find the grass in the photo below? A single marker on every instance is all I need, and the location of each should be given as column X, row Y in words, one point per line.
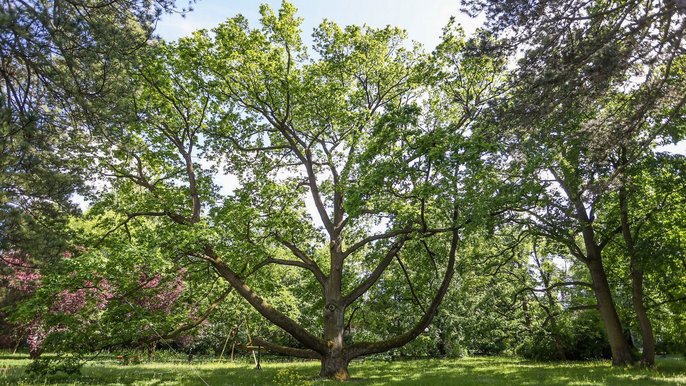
column 425, row 372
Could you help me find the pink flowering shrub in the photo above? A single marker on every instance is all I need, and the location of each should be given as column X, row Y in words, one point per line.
column 18, row 273
column 73, row 301
column 70, row 302
column 21, row 279
column 38, row 333
column 36, row 338
column 165, row 294
column 78, row 309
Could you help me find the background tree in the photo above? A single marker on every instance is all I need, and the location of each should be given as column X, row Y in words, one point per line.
column 572, row 81
column 648, row 188
column 61, row 66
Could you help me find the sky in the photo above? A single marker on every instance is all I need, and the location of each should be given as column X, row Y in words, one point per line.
column 422, row 19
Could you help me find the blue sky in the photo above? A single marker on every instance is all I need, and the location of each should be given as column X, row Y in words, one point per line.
column 423, row 20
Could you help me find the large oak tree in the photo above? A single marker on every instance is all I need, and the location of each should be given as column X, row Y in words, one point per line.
column 344, row 157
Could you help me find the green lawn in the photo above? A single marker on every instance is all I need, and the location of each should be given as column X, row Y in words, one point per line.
column 466, row 371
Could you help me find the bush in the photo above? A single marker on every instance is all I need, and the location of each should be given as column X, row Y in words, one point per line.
column 581, row 338
column 52, row 366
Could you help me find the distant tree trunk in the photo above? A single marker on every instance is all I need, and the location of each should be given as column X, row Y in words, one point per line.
column 527, row 315
column 442, row 338
column 552, row 303
column 554, row 330
column 35, row 354
column 16, row 346
column 561, row 355
column 648, row 355
column 152, row 348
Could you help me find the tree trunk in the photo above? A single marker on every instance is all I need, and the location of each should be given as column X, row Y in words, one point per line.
column 552, row 304
column 441, row 345
column 557, row 341
column 335, row 366
column 152, row 348
column 621, row 352
column 648, row 356
column 35, row 354
column 335, row 360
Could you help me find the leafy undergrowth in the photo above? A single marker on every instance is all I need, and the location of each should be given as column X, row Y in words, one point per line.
column 466, row 371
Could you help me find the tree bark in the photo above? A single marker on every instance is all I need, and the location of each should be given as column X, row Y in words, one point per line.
column 335, row 360
column 335, row 365
column 621, row 352
column 16, row 346
column 264, row 308
column 648, row 355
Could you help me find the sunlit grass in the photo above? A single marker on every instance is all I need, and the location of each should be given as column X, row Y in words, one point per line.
column 426, row 372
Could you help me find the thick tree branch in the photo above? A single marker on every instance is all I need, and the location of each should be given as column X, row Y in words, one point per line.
column 285, row 350
column 293, row 263
column 372, row 238
column 263, row 307
column 367, row 348
column 316, row 194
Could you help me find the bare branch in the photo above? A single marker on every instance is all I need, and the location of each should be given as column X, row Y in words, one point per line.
column 409, row 283
column 197, row 320
column 129, row 217
column 372, row 238
column 293, row 263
